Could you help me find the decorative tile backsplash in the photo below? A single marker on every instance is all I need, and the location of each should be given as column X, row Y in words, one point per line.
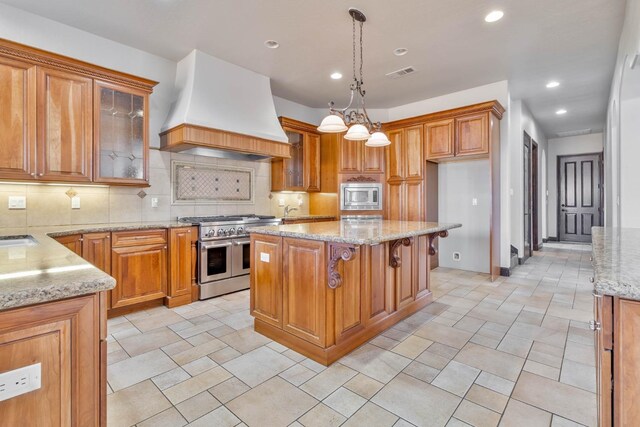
column 207, row 183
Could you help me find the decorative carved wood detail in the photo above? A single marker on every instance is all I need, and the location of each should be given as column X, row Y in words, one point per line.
column 60, row 62
column 432, row 237
column 394, row 258
column 337, row 253
column 361, row 178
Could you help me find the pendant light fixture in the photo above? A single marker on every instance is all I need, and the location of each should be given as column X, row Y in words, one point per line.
column 356, row 122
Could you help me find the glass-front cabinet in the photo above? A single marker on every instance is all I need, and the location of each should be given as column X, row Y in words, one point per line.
column 121, row 134
column 294, row 174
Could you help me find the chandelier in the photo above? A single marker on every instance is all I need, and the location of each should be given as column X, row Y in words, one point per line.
column 356, row 122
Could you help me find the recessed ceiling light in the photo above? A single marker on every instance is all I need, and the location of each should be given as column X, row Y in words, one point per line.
column 400, row 51
column 552, row 84
column 561, row 111
column 336, row 76
column 272, row 44
column 494, row 16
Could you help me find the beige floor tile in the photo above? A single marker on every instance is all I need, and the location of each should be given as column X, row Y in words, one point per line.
column 245, row 340
column 579, row 375
column 581, row 353
column 496, row 362
column 444, row 334
column 495, row 383
column 198, row 351
column 421, row 371
column 454, row 422
column 298, row 374
column 456, row 378
column 220, row 417
column 224, row 355
column 562, row 399
column 375, row 362
column 138, row 344
column 328, row 381
column 167, row 317
column 384, row 342
column 542, row 370
column 198, row 366
column 229, row 390
column 487, row 398
column 557, row 421
column 322, row 416
column 520, row 414
column 515, row 345
column 258, row 365
column 169, row 418
column 176, row 347
column 344, row 401
column 197, row 406
column 272, row 403
column 170, row 378
column 371, row 415
column 189, row 388
column 134, row 404
column 476, row 415
column 416, row 401
column 412, row 347
column 136, row 369
column 433, row 360
column 364, row 386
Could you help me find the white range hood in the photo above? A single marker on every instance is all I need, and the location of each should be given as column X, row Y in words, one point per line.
column 221, row 106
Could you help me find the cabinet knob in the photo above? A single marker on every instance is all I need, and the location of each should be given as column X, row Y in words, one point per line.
column 165, row 246
column 32, row 174
column 591, row 279
column 40, row 174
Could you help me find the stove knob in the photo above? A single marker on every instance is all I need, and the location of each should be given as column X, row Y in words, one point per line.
column 210, row 233
column 231, row 231
column 240, row 230
column 220, row 232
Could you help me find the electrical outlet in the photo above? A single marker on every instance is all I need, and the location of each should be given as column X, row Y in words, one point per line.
column 17, row 202
column 474, row 202
column 20, row 381
column 299, row 202
column 154, row 202
column 281, row 203
column 456, row 256
column 75, row 202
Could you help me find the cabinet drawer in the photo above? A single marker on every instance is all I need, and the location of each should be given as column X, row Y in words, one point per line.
column 138, row 237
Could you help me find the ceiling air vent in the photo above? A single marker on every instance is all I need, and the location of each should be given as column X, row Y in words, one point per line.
column 573, row 133
column 401, row 73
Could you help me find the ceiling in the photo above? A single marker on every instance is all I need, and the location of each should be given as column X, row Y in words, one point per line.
column 450, row 44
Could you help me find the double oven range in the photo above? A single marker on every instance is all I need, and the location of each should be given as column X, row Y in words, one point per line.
column 224, row 251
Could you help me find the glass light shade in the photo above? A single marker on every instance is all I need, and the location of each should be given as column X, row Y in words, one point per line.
column 357, row 133
column 332, row 124
column 378, row 139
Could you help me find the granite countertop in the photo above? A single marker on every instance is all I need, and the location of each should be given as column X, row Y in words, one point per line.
column 355, row 232
column 297, row 217
column 48, row 271
column 616, row 262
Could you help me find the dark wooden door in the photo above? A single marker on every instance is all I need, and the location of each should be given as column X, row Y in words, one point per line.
column 526, row 193
column 579, row 190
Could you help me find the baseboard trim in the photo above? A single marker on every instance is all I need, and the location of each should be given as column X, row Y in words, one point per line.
column 520, row 261
column 550, row 239
column 505, row 271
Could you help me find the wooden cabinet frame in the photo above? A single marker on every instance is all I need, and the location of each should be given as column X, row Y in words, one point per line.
column 311, row 152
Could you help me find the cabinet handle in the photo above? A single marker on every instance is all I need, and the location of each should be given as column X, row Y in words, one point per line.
column 165, row 246
column 81, row 240
column 594, row 325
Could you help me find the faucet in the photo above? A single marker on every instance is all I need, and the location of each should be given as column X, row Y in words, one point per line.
column 288, row 210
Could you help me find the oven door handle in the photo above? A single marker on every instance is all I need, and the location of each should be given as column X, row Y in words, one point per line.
column 215, row 245
column 241, row 242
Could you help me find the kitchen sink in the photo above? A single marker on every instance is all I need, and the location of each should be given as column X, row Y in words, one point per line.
column 13, row 241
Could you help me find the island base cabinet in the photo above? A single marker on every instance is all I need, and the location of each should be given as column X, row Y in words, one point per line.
column 324, row 299
column 67, row 339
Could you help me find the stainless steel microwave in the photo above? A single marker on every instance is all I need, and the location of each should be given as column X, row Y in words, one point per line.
column 361, row 196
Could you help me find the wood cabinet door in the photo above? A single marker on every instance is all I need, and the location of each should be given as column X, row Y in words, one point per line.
column 294, row 166
column 96, row 248
column 422, row 265
column 395, row 201
column 72, row 242
column 180, row 261
column 304, row 289
column 414, row 200
column 378, row 292
column 393, row 154
column 626, row 381
column 405, row 275
column 349, row 302
column 373, row 159
column 266, row 279
column 350, row 156
column 472, row 135
column 311, row 162
column 65, row 126
column 121, row 134
column 603, row 314
column 412, row 152
column 17, row 119
column 439, row 139
column 140, row 273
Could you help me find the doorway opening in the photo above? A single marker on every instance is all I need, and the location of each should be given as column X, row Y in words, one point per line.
column 530, row 193
column 579, row 196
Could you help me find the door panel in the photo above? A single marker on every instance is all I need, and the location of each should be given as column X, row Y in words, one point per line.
column 412, row 140
column 140, row 273
column 395, row 200
column 266, row 279
column 526, row 195
column 311, row 162
column 350, row 156
column 580, row 199
column 395, row 166
column 439, row 138
column 472, row 137
column 373, row 159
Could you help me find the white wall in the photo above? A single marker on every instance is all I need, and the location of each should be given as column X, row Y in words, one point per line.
column 582, row 144
column 629, row 155
column 523, row 121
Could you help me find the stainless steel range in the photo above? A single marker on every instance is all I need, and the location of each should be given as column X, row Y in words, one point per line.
column 223, row 244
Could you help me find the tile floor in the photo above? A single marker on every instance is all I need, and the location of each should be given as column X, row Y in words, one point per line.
column 515, row 352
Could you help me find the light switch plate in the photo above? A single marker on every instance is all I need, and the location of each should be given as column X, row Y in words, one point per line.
column 474, row 201
column 75, row 202
column 264, row 257
column 17, row 202
column 20, row 381
column 281, row 203
column 154, row 202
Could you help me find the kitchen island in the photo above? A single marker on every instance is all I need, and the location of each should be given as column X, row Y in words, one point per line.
column 323, row 289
